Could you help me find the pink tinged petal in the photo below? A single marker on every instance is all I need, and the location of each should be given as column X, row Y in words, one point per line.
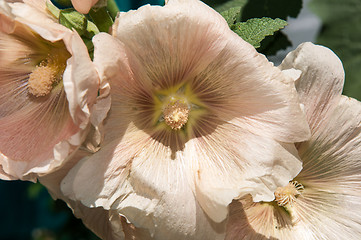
column 332, row 156
column 100, row 221
column 320, row 85
column 324, row 214
column 177, row 48
column 39, row 20
column 252, row 164
column 4, row 175
column 250, row 89
column 81, row 83
column 330, row 204
column 258, row 221
column 133, row 233
column 165, row 181
column 144, row 184
column 83, row 6
column 29, row 137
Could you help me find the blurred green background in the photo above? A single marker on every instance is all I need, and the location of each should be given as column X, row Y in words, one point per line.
column 29, row 213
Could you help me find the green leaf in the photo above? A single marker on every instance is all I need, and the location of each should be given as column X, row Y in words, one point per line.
column 231, row 15
column 101, row 18
column 112, row 8
column 255, row 30
column 271, row 8
column 91, row 30
column 73, row 20
column 222, row 5
column 341, row 32
column 272, row 44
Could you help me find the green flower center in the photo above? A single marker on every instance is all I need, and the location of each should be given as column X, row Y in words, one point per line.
column 177, row 108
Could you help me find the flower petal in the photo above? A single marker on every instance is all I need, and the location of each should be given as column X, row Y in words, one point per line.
column 149, row 188
column 261, row 221
column 36, row 16
column 100, row 221
column 252, row 164
column 330, row 203
column 81, row 83
column 320, row 85
column 331, row 157
column 83, row 6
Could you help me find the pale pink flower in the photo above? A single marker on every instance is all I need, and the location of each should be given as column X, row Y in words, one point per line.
column 48, row 89
column 324, row 200
column 198, row 118
column 83, row 6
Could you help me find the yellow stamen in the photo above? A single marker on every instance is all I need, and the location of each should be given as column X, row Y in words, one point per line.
column 175, row 114
column 287, row 195
column 45, row 76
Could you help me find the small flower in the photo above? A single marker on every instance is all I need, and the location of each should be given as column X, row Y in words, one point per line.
column 198, row 118
column 323, row 200
column 48, row 88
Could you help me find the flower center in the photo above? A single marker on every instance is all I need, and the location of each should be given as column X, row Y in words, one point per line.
column 46, row 76
column 175, row 113
column 288, row 194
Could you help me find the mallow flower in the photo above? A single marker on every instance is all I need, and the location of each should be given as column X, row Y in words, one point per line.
column 324, row 200
column 48, row 89
column 197, row 118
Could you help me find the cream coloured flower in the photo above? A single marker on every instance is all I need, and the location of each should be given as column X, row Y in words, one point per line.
column 198, row 118
column 324, row 200
column 48, row 88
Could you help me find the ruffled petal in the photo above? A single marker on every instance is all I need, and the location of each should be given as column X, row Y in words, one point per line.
column 258, row 221
column 81, row 83
column 331, row 157
column 329, row 205
column 35, row 15
column 320, row 85
column 102, row 222
column 252, row 164
column 149, row 187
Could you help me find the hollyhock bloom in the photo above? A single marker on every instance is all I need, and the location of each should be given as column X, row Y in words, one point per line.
column 48, row 88
column 198, row 118
column 324, row 200
column 83, row 6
